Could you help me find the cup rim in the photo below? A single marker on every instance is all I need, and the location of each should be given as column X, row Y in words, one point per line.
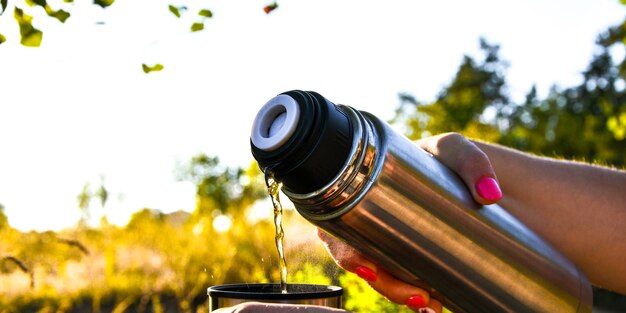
column 271, row 291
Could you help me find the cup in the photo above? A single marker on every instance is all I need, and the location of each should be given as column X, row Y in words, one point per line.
column 227, row 295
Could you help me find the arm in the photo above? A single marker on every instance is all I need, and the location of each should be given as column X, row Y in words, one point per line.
column 579, row 208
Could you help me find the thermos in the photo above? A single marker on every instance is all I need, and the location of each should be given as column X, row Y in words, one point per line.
column 349, row 173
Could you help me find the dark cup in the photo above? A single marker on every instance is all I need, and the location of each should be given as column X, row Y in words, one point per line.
column 222, row 296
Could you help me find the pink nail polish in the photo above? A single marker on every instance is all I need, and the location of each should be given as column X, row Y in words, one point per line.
column 415, row 302
column 488, row 189
column 366, row 273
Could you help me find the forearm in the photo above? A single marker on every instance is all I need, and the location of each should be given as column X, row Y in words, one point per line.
column 578, row 208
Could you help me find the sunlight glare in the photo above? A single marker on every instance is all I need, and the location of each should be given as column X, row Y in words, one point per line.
column 222, row 223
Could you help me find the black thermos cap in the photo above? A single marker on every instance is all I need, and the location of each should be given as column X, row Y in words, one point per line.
column 314, row 150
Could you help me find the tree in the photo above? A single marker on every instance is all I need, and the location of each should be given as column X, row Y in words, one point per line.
column 586, row 122
column 462, row 105
column 85, row 197
column 222, row 188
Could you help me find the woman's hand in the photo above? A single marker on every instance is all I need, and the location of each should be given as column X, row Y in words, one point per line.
column 472, row 165
column 468, row 161
column 384, row 283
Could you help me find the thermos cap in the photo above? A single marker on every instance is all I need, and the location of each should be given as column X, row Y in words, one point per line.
column 276, row 121
column 302, row 139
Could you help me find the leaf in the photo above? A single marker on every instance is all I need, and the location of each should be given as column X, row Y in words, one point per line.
column 41, row 3
column 271, row 7
column 195, row 27
column 205, row 13
column 178, row 11
column 174, row 10
column 3, row 6
column 2, row 39
column 60, row 15
column 103, row 3
column 155, row 68
column 30, row 36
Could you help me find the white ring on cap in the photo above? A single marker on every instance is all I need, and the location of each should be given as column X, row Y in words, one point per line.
column 275, row 123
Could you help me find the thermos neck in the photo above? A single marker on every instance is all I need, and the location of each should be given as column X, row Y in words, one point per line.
column 303, row 139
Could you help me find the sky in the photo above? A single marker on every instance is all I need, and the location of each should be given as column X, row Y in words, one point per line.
column 79, row 109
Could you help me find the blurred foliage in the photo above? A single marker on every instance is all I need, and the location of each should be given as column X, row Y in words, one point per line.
column 4, row 221
column 585, row 122
column 220, row 188
column 86, row 196
column 164, row 262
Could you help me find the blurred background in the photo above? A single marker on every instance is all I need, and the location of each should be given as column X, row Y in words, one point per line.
column 126, row 181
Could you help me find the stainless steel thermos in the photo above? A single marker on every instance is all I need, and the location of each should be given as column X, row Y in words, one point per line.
column 349, row 173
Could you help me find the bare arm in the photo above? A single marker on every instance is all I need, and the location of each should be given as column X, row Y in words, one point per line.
column 579, row 208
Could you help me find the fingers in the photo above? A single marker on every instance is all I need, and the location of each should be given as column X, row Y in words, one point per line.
column 400, row 292
column 435, row 305
column 393, row 289
column 345, row 256
column 469, row 162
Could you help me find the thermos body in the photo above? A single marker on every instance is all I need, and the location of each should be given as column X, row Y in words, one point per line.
column 399, row 206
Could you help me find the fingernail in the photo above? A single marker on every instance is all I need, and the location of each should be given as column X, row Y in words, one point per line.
column 366, row 273
column 488, row 189
column 426, row 310
column 415, row 302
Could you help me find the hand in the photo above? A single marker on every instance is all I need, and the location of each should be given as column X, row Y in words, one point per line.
column 469, row 162
column 472, row 165
column 257, row 307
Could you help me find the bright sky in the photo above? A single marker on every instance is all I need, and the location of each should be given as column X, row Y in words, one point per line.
column 79, row 107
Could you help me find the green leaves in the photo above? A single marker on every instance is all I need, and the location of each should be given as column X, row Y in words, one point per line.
column 617, row 126
column 155, row 68
column 3, row 6
column 60, row 15
column 177, row 10
column 205, row 13
column 103, row 3
column 30, row 36
column 198, row 26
